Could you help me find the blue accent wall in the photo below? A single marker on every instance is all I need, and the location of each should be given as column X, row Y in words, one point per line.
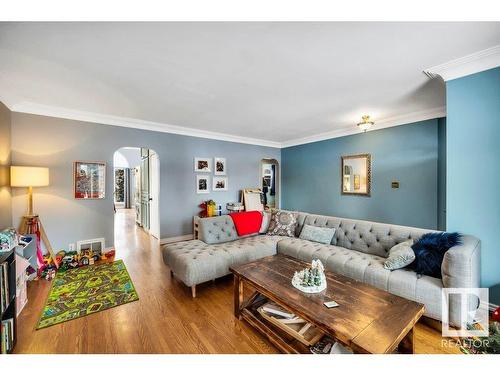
column 408, row 154
column 441, row 218
column 473, row 170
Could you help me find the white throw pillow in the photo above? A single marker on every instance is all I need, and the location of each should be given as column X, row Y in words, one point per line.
column 266, row 219
column 400, row 256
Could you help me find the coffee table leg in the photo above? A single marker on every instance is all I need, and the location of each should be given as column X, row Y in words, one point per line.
column 238, row 295
column 407, row 345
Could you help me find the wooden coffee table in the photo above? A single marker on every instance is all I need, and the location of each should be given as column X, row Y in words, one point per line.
column 368, row 320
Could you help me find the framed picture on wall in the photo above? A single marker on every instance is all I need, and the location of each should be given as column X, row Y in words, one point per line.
column 220, row 166
column 202, row 184
column 89, row 179
column 202, row 164
column 219, row 184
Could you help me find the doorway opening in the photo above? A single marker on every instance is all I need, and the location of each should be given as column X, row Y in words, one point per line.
column 136, row 176
column 269, row 170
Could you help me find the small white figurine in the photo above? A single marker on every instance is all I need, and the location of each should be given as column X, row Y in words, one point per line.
column 310, row 280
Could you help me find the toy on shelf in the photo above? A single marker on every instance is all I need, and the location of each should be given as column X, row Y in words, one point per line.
column 310, row 280
column 209, row 209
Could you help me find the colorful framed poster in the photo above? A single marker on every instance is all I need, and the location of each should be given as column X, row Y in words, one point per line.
column 89, row 179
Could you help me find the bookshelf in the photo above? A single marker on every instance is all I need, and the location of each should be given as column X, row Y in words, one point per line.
column 8, row 327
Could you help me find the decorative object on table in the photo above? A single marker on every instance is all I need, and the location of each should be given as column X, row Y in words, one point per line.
column 283, row 223
column 310, row 280
column 356, row 174
column 322, row 235
column 89, row 179
column 202, row 164
column 429, row 252
column 235, row 207
column 202, row 184
column 252, row 199
column 220, row 166
column 400, row 256
column 87, row 290
column 211, row 208
column 219, row 184
column 21, row 176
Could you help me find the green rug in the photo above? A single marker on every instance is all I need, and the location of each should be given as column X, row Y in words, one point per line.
column 82, row 291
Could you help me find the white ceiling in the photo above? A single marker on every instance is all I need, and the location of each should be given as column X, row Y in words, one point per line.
column 275, row 82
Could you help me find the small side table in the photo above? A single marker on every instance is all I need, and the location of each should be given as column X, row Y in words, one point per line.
column 196, row 221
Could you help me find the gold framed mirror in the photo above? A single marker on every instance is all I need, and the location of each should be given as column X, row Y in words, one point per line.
column 356, row 175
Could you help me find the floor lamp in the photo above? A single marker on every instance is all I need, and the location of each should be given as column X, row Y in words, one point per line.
column 32, row 177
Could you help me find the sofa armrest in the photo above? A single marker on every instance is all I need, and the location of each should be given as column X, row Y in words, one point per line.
column 461, row 266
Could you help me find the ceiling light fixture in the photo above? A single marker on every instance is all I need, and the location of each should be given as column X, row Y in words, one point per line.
column 366, row 123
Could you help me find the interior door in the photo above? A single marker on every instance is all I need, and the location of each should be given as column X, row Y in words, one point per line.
column 145, row 189
column 154, row 194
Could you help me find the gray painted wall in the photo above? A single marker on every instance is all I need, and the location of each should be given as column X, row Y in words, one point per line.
column 5, row 158
column 56, row 143
column 408, row 154
column 127, row 158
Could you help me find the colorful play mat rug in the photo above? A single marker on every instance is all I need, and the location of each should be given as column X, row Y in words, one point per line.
column 83, row 291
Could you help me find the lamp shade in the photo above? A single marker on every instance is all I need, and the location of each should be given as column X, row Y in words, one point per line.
column 29, row 176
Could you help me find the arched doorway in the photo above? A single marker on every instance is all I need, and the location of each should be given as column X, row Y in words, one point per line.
column 136, row 190
column 270, row 183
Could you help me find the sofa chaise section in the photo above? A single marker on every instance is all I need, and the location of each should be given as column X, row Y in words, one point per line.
column 219, row 247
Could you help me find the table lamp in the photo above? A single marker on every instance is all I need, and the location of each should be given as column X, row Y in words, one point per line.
column 29, row 177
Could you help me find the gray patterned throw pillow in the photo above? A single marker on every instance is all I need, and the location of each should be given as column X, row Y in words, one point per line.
column 282, row 223
column 317, row 234
column 400, row 255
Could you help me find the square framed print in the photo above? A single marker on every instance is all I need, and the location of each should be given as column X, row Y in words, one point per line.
column 202, row 184
column 89, row 179
column 202, row 164
column 220, row 166
column 219, row 184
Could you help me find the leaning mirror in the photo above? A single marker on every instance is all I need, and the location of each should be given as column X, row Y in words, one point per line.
column 356, row 174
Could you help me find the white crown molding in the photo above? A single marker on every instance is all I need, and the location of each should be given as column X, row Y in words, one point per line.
column 464, row 66
column 44, row 110
column 97, row 118
column 379, row 124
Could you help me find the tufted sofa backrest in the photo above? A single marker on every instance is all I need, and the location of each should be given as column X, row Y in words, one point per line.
column 217, row 229
column 366, row 236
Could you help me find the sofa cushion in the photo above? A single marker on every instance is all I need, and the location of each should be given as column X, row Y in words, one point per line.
column 400, row 256
column 317, row 234
column 195, row 261
column 266, row 219
column 217, row 229
column 365, row 236
column 283, row 223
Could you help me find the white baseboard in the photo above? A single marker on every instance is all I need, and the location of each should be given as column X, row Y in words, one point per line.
column 185, row 237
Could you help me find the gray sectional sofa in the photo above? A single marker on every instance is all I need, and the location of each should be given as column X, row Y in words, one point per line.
column 358, row 250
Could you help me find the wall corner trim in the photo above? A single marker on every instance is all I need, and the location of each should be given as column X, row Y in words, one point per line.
column 464, row 66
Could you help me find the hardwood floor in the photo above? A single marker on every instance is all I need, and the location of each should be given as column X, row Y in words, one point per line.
column 166, row 319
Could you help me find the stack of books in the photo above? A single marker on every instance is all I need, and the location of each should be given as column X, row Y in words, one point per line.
column 7, row 335
column 4, row 286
